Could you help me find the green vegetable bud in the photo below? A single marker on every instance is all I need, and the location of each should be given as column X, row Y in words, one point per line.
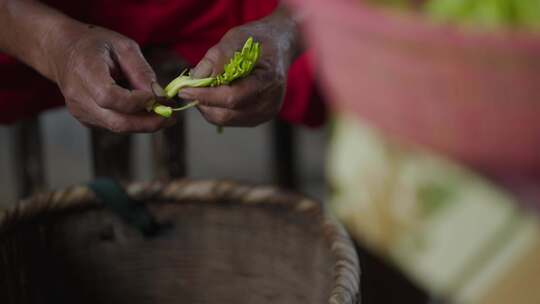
column 240, row 66
column 163, row 111
column 181, row 82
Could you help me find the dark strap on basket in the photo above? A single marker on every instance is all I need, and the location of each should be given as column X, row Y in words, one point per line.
column 134, row 213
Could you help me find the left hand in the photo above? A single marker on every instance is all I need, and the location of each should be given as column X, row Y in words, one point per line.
column 257, row 98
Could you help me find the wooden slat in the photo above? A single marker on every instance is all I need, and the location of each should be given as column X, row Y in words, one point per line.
column 28, row 157
column 284, row 164
column 111, row 154
column 169, row 151
column 169, row 146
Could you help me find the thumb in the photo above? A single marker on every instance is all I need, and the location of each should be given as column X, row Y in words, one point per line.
column 212, row 63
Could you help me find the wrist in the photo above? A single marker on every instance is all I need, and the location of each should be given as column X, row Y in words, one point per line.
column 287, row 26
column 56, row 44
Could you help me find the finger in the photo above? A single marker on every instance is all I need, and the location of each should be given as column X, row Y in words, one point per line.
column 108, row 95
column 133, row 65
column 231, row 118
column 85, row 111
column 212, row 63
column 236, row 96
column 133, row 123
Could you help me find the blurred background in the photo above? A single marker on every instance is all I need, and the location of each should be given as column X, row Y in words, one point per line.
column 434, row 157
column 239, row 154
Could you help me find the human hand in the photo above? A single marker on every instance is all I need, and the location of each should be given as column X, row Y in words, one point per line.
column 257, row 98
column 104, row 78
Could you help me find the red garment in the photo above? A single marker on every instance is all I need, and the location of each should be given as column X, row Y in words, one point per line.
column 188, row 26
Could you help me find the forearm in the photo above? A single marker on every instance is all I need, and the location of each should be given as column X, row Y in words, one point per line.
column 28, row 29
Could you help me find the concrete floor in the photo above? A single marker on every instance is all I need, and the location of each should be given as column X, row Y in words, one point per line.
column 238, row 153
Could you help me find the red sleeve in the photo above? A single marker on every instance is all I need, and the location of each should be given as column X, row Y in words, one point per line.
column 303, row 102
column 23, row 92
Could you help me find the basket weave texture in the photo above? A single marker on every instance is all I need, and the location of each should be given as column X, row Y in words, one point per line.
column 222, row 242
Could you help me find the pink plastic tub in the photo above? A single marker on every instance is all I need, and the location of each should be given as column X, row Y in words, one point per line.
column 474, row 96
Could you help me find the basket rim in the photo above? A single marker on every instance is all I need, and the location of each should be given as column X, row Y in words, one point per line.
column 416, row 26
column 346, row 267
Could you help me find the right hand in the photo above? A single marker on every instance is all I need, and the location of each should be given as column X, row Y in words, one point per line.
column 90, row 65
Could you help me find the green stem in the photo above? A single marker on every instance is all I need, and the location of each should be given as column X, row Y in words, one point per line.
column 188, row 106
column 167, row 112
column 182, row 81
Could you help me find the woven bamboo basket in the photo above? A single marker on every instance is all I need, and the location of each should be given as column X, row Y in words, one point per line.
column 471, row 95
column 222, row 242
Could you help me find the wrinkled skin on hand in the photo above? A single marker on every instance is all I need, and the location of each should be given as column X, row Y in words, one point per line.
column 105, row 79
column 257, row 98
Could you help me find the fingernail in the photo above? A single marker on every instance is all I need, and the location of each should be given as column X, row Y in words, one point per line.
column 203, row 69
column 158, row 90
column 149, row 104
